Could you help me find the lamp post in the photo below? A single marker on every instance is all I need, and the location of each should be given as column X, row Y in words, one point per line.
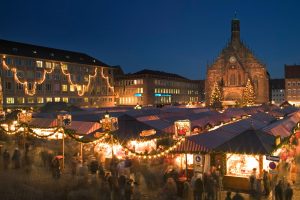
column 25, row 117
column 63, row 120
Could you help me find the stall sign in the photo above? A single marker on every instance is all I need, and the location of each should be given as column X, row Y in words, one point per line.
column 182, row 128
column 198, row 163
column 145, row 133
column 273, row 171
column 272, row 165
column 272, row 158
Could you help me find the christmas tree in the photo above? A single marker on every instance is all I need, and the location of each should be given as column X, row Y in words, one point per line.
column 248, row 94
column 216, row 96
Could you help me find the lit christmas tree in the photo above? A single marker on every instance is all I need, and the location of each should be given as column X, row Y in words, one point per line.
column 248, row 94
column 216, row 96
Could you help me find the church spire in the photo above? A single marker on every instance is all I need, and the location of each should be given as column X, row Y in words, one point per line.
column 235, row 29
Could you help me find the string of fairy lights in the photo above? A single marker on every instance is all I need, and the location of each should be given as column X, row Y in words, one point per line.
column 30, row 87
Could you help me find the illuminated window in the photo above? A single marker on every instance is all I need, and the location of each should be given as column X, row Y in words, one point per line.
column 72, row 88
column 64, row 67
column 20, row 100
column 135, row 82
column 48, row 65
column 65, row 99
column 39, row 64
column 86, row 78
column 40, row 100
column 86, row 100
column 57, row 99
column 10, row 100
column 30, row 100
column 49, row 99
column 78, row 87
column 64, row 88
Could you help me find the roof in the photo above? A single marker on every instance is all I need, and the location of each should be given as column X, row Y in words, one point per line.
column 158, row 73
column 292, row 71
column 35, row 51
column 277, row 83
column 249, row 142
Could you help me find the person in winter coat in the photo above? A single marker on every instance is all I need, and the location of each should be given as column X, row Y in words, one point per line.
column 16, row 158
column 278, row 191
column 198, row 189
column 6, row 159
column 288, row 192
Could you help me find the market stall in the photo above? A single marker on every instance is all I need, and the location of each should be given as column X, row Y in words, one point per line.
column 241, row 154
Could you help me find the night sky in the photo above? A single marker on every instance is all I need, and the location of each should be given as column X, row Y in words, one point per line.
column 177, row 36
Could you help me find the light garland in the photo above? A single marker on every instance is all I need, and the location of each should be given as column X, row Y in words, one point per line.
column 107, row 79
column 31, row 92
column 156, row 155
column 81, row 88
column 85, row 88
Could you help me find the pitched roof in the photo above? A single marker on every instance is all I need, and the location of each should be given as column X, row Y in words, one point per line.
column 249, row 142
column 159, row 73
column 292, row 71
column 35, row 51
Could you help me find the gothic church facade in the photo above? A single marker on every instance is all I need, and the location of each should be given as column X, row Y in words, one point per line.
column 232, row 69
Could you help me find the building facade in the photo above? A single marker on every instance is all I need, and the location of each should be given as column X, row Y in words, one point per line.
column 34, row 75
column 149, row 87
column 292, row 84
column 232, row 69
column 277, row 90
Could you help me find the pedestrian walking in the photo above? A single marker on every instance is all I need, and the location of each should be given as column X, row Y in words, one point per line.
column 56, row 168
column 6, row 159
column 237, row 196
column 198, row 188
column 228, row 196
column 266, row 183
column 278, row 191
column 16, row 158
column 288, row 192
column 253, row 183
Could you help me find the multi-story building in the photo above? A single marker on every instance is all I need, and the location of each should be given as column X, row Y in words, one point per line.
column 277, row 91
column 292, row 84
column 33, row 75
column 233, row 68
column 149, row 87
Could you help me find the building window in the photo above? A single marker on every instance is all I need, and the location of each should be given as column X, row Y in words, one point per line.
column 48, row 65
column 48, row 87
column 8, row 85
column 65, row 99
column 289, row 83
column 38, row 75
column 56, row 76
column 20, row 100
column 40, row 100
column 48, row 76
column 30, row 100
column 64, row 67
column 72, row 88
column 29, row 85
column 19, row 86
column 30, row 74
column 57, row 99
column 48, row 99
column 64, row 88
column 9, row 73
column 56, row 87
column 10, row 100
column 39, row 64
column 86, row 100
column 39, row 87
column 232, row 79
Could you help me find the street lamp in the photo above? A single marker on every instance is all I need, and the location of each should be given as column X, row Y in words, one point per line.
column 64, row 119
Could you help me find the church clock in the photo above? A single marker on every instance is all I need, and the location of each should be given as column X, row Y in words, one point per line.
column 232, row 59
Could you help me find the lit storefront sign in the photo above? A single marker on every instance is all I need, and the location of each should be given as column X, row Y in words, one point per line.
column 138, row 94
column 182, row 128
column 241, row 164
column 162, row 95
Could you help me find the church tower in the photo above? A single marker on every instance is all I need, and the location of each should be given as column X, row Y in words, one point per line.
column 232, row 69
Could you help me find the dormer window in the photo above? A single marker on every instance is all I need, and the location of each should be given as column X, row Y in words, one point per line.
column 68, row 57
column 39, row 64
column 94, row 60
column 34, row 51
column 52, row 54
column 15, row 49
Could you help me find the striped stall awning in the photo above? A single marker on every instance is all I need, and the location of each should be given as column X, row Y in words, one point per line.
column 188, row 146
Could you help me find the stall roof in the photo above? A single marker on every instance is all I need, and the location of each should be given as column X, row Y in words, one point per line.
column 249, row 142
column 43, row 122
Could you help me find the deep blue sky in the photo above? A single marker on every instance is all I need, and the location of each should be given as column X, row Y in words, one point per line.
column 178, row 36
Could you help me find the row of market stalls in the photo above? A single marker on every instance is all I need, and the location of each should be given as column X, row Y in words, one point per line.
column 235, row 140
